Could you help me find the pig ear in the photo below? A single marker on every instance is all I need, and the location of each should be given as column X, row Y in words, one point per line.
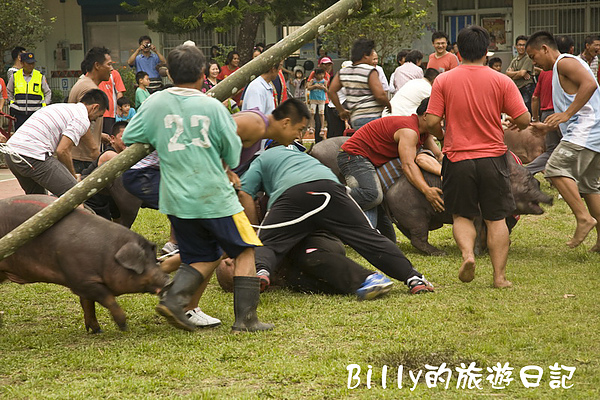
column 131, row 256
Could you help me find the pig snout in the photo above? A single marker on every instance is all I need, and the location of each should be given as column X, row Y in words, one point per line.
column 147, row 276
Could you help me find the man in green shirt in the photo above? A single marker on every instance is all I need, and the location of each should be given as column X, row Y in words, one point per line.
column 521, row 71
column 193, row 135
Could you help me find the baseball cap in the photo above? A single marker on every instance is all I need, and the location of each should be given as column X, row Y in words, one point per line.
column 326, row 60
column 28, row 58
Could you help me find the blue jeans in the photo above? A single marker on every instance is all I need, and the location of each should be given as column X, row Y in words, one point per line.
column 361, row 178
column 360, row 122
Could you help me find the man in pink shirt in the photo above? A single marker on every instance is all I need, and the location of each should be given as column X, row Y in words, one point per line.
column 441, row 60
column 475, row 167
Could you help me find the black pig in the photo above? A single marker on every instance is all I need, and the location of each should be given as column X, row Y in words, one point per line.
column 93, row 257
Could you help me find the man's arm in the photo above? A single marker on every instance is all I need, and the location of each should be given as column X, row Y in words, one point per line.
column 535, row 109
column 131, row 59
column 407, row 149
column 585, row 86
column 88, row 141
column 334, row 87
column 10, row 88
column 249, row 207
column 47, row 91
column 434, row 125
column 160, row 56
column 431, row 145
column 377, row 90
column 63, row 154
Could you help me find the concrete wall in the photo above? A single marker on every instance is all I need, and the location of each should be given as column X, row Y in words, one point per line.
column 67, row 32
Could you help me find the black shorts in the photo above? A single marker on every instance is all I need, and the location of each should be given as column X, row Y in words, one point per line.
column 477, row 186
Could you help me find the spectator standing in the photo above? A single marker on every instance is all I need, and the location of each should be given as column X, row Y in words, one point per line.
column 475, row 167
column 141, row 93
column 113, row 88
column 316, row 99
column 146, row 58
column 382, row 77
column 411, row 69
column 325, row 63
column 297, row 84
column 3, row 94
column 96, row 66
column 212, row 72
column 260, row 94
column 495, row 63
column 232, row 64
column 17, row 64
column 400, row 57
column 365, row 96
column 520, row 70
column 28, row 90
column 590, row 53
column 441, row 59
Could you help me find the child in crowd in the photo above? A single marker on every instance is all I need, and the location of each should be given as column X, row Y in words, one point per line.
column 141, row 93
column 124, row 110
column 297, row 85
column 495, row 63
column 316, row 98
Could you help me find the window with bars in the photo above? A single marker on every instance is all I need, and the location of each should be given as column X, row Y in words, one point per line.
column 576, row 19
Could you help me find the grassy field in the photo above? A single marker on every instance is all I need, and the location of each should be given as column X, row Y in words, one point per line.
column 551, row 315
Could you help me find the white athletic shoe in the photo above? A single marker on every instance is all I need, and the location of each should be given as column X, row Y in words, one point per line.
column 202, row 320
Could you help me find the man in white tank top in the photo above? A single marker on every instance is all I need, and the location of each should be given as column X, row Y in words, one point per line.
column 574, row 167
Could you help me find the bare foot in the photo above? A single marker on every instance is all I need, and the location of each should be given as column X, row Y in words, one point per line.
column 502, row 284
column 581, row 232
column 596, row 248
column 466, row 273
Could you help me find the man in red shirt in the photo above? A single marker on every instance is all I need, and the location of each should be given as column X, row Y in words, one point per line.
column 542, row 102
column 475, row 169
column 375, row 144
column 442, row 60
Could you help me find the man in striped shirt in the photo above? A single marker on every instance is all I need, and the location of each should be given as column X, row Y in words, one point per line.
column 54, row 129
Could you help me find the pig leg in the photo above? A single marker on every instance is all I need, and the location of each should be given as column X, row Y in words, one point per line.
column 419, row 238
column 102, row 295
column 89, row 315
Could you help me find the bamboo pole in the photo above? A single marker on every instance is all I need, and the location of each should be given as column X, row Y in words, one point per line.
column 109, row 171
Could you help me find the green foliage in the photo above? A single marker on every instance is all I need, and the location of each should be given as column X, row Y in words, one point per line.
column 391, row 24
column 22, row 23
column 128, row 77
column 180, row 16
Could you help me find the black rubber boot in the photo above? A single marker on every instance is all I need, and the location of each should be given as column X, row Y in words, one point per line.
column 178, row 295
column 245, row 301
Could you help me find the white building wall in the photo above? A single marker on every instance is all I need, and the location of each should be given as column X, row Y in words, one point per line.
column 67, row 33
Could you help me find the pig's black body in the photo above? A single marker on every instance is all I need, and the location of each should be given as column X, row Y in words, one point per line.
column 93, row 257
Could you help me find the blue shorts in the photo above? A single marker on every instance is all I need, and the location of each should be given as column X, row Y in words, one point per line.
column 143, row 183
column 204, row 240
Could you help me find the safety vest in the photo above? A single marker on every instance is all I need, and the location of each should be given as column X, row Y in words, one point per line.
column 28, row 96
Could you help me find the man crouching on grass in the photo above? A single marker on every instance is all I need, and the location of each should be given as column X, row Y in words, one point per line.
column 192, row 133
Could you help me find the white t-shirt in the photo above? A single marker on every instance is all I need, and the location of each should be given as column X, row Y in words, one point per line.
column 406, row 100
column 39, row 136
column 382, row 78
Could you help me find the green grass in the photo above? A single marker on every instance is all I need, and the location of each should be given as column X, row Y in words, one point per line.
column 46, row 353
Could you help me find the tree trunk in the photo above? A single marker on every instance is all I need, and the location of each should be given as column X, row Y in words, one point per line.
column 247, row 35
column 109, row 171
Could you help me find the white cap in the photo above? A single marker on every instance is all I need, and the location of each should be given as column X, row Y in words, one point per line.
column 189, row 43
